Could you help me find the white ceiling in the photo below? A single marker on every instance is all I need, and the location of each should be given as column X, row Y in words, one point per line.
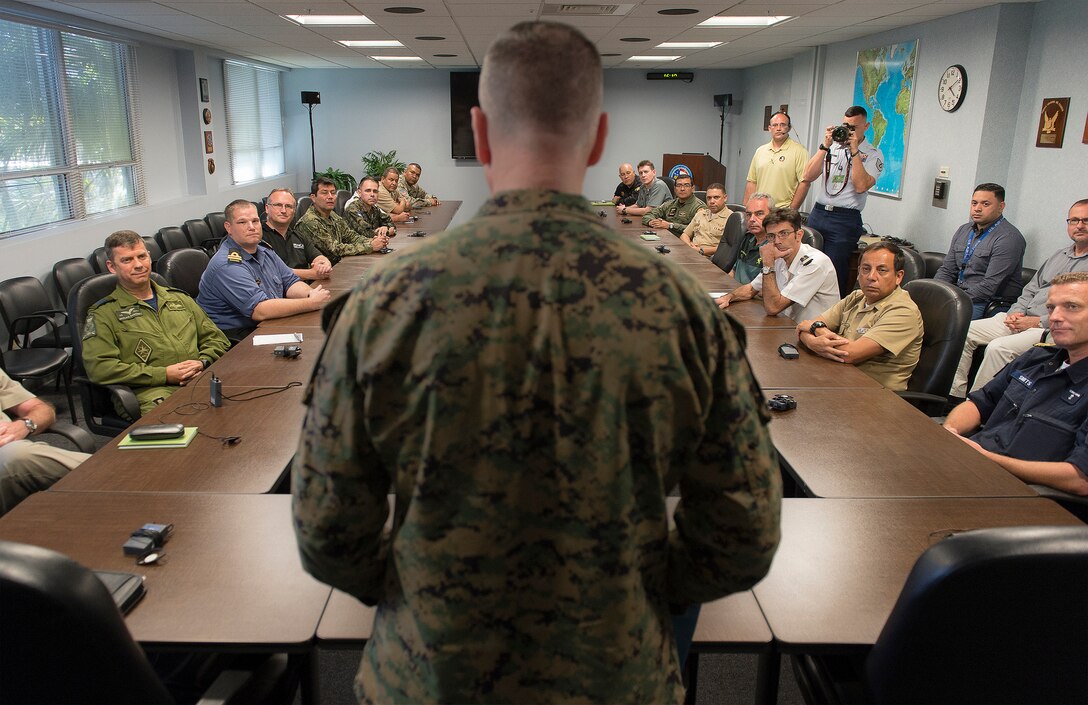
column 253, row 28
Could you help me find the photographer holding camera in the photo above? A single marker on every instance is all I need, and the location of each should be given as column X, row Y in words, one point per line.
column 849, row 166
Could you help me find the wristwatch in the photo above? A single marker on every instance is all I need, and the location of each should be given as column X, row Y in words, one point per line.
column 815, row 325
column 766, row 270
column 31, row 427
column 701, row 251
column 825, row 148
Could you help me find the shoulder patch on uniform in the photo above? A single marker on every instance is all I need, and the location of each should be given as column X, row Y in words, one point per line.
column 90, row 328
column 806, row 261
column 234, row 256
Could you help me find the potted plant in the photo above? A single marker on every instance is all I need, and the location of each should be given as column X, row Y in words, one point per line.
column 375, row 163
column 343, row 180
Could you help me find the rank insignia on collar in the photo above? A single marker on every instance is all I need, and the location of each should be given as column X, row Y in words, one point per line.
column 234, row 256
column 1071, row 397
column 806, row 261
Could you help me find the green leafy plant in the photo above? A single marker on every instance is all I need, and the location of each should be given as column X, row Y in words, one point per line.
column 375, row 163
column 343, row 180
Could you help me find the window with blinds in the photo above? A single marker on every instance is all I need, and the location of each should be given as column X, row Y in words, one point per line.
column 254, row 126
column 68, row 142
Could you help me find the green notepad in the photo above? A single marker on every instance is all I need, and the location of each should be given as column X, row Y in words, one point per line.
column 650, row 238
column 180, row 442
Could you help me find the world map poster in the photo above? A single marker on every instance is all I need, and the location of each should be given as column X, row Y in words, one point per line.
column 884, row 86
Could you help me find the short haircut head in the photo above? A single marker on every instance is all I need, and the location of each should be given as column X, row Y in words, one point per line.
column 900, row 258
column 390, row 170
column 760, row 196
column 646, row 162
column 855, row 110
column 319, row 182
column 234, row 206
column 783, row 215
column 542, row 77
column 996, row 189
column 1081, row 202
column 1070, row 278
column 122, row 238
column 783, row 113
column 282, row 189
column 417, row 166
column 683, row 176
column 716, row 185
column 371, row 179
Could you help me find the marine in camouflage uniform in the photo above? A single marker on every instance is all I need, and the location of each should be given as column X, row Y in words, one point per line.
column 126, row 341
column 530, row 386
column 333, row 235
column 417, row 197
column 678, row 213
column 364, row 220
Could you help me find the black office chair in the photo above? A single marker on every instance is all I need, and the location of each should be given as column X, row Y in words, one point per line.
column 701, row 195
column 153, row 249
column 1010, row 292
column 215, row 221
column 97, row 259
column 99, row 412
column 735, row 207
column 914, row 266
column 725, row 257
column 69, row 272
column 182, row 269
column 946, row 315
column 301, row 207
column 201, row 235
column 985, row 616
column 671, row 184
column 65, row 641
column 172, row 238
column 812, row 237
column 342, row 197
column 933, row 261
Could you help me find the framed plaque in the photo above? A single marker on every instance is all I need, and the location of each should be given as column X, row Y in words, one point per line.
column 1052, row 119
column 208, row 145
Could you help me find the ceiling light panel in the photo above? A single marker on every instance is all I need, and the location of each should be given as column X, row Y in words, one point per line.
column 738, row 21
column 329, row 20
column 372, row 43
column 688, row 45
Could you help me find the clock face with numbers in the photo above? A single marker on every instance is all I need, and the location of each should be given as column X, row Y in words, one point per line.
column 953, row 88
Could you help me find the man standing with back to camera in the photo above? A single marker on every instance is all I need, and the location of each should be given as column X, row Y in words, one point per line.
column 543, row 383
column 847, row 168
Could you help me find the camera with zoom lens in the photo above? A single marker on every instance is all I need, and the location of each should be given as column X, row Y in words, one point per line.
column 841, row 134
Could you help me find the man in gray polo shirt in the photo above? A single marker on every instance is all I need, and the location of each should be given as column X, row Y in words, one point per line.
column 986, row 252
column 1009, row 335
column 653, row 193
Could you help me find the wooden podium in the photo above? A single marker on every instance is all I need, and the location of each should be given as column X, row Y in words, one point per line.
column 705, row 169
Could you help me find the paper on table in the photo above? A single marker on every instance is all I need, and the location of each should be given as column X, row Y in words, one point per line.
column 716, row 294
column 281, row 339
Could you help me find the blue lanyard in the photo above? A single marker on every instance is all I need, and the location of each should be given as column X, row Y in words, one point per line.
column 971, row 243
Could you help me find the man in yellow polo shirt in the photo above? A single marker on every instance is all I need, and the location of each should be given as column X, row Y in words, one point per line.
column 778, row 167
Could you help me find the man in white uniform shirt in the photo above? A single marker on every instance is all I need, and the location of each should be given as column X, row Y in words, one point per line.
column 797, row 280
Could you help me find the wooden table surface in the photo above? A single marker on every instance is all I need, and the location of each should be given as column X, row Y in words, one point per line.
column 871, row 443
column 843, row 562
column 232, row 575
column 808, row 371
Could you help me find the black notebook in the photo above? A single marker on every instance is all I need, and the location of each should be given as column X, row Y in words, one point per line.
column 126, row 588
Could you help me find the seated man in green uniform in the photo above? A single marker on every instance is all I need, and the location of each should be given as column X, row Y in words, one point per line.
column 151, row 338
column 329, row 232
column 363, row 214
column 409, row 184
column 877, row 327
column 675, row 214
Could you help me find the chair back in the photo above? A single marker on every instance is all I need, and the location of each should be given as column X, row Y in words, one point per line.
column 153, row 249
column 946, row 315
column 701, row 195
column 735, row 207
column 69, row 272
column 342, row 196
column 914, row 266
column 182, row 269
column 671, row 184
column 64, row 638
column 989, row 616
column 172, row 238
column 812, row 238
column 97, row 260
column 25, row 308
column 933, row 261
column 729, row 246
column 199, row 233
column 301, row 207
column 216, row 224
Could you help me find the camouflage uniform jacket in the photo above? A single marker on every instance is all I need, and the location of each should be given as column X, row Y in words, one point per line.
column 677, row 213
column 125, row 341
column 417, row 197
column 332, row 235
column 531, row 385
column 364, row 221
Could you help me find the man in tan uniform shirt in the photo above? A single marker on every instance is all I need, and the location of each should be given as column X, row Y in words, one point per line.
column 704, row 232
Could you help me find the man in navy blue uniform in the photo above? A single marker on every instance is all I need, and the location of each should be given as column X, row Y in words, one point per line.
column 1033, row 416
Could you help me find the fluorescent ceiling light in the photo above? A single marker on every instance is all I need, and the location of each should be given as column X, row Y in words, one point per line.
column 655, row 58
column 396, row 58
column 370, row 43
column 760, row 21
column 328, row 20
column 687, row 45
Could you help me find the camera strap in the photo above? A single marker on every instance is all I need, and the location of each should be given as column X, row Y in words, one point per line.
column 827, row 171
column 972, row 242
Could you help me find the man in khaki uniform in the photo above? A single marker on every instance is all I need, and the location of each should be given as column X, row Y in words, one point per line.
column 151, row 338
column 675, row 214
column 390, row 198
column 878, row 327
column 704, row 232
column 25, row 466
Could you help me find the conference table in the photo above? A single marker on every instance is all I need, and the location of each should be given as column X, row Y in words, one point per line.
column 888, row 478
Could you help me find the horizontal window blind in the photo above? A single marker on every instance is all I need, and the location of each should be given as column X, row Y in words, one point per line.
column 254, row 123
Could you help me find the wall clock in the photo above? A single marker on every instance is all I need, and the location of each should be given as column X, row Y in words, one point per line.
column 952, row 88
